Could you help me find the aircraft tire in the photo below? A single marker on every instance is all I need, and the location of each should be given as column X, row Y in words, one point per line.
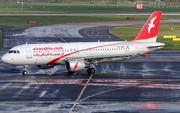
column 24, row 73
column 90, row 70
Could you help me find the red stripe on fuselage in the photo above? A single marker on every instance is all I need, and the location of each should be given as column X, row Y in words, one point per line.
column 56, row 59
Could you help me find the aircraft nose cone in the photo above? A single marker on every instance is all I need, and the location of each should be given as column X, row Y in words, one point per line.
column 4, row 58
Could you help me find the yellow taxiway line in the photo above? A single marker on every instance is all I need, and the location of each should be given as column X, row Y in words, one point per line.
column 58, row 35
column 81, row 93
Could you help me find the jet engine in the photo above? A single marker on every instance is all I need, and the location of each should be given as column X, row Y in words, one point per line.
column 45, row 66
column 74, row 65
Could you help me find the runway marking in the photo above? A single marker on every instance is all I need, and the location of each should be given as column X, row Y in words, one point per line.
column 103, row 92
column 138, row 85
column 58, row 35
column 89, row 102
column 99, row 32
column 163, row 86
column 58, row 82
column 87, row 33
column 116, row 79
column 42, row 94
column 124, row 81
column 119, row 83
column 81, row 93
column 85, row 107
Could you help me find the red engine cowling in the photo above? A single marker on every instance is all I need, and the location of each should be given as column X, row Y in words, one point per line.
column 74, row 65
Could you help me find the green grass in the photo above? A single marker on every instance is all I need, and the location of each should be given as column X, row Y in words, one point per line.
column 40, row 20
column 35, row 7
column 130, row 32
column 1, row 38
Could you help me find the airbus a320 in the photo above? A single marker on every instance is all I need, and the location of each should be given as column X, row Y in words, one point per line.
column 78, row 56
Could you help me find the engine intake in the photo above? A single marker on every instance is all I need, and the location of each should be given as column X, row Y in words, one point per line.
column 74, row 65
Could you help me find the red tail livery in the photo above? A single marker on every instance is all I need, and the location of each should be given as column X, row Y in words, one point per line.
column 149, row 31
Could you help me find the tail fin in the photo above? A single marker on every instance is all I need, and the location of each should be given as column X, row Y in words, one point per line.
column 149, row 31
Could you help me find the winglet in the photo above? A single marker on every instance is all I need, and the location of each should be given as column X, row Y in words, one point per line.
column 149, row 31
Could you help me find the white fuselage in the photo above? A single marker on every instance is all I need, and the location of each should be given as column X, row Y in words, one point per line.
column 44, row 54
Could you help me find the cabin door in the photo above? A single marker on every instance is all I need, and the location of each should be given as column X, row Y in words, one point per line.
column 28, row 52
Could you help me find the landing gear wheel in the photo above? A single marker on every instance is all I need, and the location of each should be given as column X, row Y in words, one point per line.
column 24, row 73
column 91, row 71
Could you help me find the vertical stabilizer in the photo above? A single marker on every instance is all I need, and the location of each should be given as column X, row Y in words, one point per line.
column 149, row 31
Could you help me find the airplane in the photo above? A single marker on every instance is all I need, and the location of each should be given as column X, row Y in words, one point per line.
column 81, row 55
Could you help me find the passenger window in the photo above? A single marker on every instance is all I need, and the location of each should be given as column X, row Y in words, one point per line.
column 18, row 52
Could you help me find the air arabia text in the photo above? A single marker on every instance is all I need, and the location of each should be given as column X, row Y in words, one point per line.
column 47, row 48
column 48, row 51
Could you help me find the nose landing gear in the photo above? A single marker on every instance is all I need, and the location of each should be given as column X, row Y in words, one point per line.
column 24, row 73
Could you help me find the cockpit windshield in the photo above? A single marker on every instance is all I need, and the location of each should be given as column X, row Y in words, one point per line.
column 14, row 51
column 10, row 51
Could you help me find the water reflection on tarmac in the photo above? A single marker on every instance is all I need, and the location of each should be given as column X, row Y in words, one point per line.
column 116, row 87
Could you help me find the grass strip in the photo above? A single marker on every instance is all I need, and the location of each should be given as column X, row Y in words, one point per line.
column 130, row 32
column 40, row 7
column 40, row 20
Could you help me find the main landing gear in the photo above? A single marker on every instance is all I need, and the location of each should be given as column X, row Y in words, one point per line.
column 24, row 73
column 91, row 71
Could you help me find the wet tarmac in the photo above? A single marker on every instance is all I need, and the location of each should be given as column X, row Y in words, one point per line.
column 133, row 86
column 139, row 85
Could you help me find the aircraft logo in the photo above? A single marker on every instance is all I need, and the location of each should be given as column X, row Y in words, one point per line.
column 151, row 24
column 75, row 66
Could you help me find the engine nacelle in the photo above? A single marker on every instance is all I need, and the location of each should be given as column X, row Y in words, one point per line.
column 45, row 66
column 74, row 65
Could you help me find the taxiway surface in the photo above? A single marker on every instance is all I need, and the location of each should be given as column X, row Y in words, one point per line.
column 143, row 84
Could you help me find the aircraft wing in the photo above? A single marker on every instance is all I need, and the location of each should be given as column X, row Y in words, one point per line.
column 108, row 56
column 101, row 57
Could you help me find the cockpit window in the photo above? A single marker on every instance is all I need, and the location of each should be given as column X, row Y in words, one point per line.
column 10, row 51
column 14, row 51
